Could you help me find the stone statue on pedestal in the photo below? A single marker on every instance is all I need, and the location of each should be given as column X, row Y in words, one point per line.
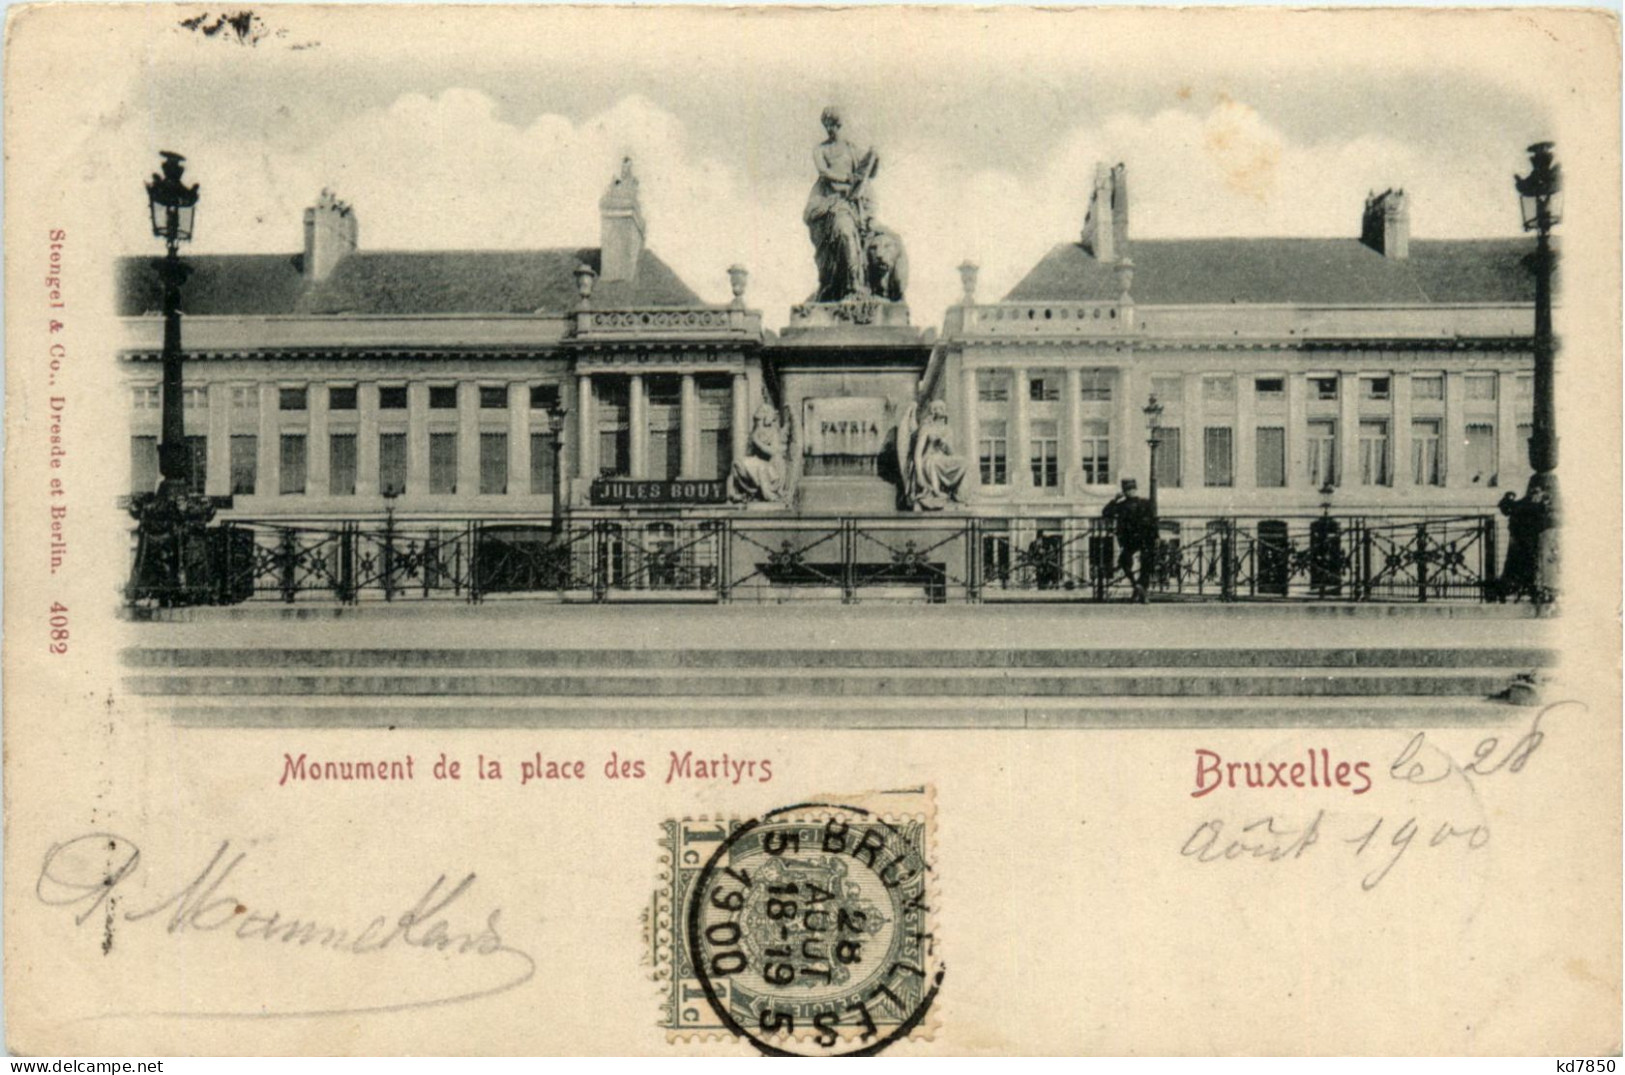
column 763, row 474
column 858, row 258
column 932, row 472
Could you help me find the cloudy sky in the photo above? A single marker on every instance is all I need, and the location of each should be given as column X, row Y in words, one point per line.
column 466, row 130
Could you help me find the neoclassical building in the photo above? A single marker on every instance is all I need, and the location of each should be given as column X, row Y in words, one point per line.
column 338, row 386
column 1396, row 371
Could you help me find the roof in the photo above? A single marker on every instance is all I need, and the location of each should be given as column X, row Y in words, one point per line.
column 400, row 283
column 1171, row 272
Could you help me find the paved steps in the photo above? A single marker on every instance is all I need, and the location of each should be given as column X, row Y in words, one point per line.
column 288, row 686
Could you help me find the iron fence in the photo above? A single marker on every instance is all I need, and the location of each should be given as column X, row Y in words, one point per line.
column 745, row 557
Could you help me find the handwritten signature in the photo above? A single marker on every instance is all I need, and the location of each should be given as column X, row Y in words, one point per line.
column 1275, row 839
column 86, row 872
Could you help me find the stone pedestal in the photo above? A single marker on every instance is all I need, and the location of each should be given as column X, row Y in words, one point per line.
column 859, row 312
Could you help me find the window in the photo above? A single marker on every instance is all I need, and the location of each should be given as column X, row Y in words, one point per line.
column 195, row 397
column 442, row 397
column 1045, row 454
column 245, row 397
column 493, row 463
column 1373, row 453
column 992, row 386
column 715, row 398
column 392, row 397
column 392, row 463
column 1427, row 386
column 1096, row 386
column 665, row 424
column 146, row 397
column 1044, row 387
column 544, row 397
column 442, row 463
column 1523, row 388
column 1169, row 390
column 1218, row 458
column 1322, row 453
column 613, row 409
column 1426, row 462
column 293, row 464
column 341, row 397
column 197, row 474
column 1170, row 464
column 996, row 559
column 143, row 464
column 1480, row 455
column 493, row 397
column 1480, row 387
column 1524, row 432
column 1269, row 452
column 245, row 463
column 290, row 399
column 1375, row 388
column 1218, row 389
column 1097, row 446
column 541, row 464
column 1323, row 388
column 1270, row 389
column 341, row 464
column 993, row 449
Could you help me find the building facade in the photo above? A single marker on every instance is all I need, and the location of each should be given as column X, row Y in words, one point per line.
column 1377, row 378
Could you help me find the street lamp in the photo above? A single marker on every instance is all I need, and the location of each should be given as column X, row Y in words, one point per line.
column 173, row 206
column 555, row 425
column 170, row 559
column 1540, row 194
column 1153, row 428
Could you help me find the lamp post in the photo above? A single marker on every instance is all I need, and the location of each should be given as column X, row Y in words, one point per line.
column 168, row 518
column 555, row 424
column 1540, row 194
column 1153, row 428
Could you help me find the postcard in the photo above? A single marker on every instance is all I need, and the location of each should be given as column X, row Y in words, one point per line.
column 794, row 531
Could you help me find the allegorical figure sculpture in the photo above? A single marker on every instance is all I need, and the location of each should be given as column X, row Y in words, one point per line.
column 857, row 257
column 763, row 475
column 932, row 473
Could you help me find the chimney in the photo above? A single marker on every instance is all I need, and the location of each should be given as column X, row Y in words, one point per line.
column 330, row 235
column 1105, row 225
column 621, row 228
column 1386, row 224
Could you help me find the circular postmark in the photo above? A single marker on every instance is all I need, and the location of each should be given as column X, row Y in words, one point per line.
column 808, row 930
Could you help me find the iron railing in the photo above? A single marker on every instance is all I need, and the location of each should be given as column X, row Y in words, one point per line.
column 745, row 557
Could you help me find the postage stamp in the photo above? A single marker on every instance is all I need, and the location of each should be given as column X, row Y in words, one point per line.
column 805, row 931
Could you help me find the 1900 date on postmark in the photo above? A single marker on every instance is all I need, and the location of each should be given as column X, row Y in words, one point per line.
column 805, row 931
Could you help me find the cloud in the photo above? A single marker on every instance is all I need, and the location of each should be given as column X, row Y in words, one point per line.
column 452, row 171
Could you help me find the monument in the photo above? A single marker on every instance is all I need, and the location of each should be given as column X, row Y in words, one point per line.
column 862, row 264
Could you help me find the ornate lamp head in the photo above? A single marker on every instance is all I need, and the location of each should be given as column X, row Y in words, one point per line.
column 173, row 204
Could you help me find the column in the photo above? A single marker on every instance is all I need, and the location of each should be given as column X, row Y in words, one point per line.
column 268, row 480
column 1348, row 430
column 972, row 447
column 1297, row 431
column 1131, row 455
column 366, row 440
column 1192, row 411
column 519, row 438
column 586, row 430
column 468, row 438
column 1512, row 454
column 688, row 420
column 1455, row 431
column 1020, row 457
column 637, row 418
column 740, row 429
column 1399, row 437
column 217, row 476
column 1072, row 434
column 317, row 481
column 1245, row 438
column 417, row 439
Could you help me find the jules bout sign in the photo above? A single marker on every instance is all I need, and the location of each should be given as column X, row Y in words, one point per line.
column 846, row 425
column 640, row 491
